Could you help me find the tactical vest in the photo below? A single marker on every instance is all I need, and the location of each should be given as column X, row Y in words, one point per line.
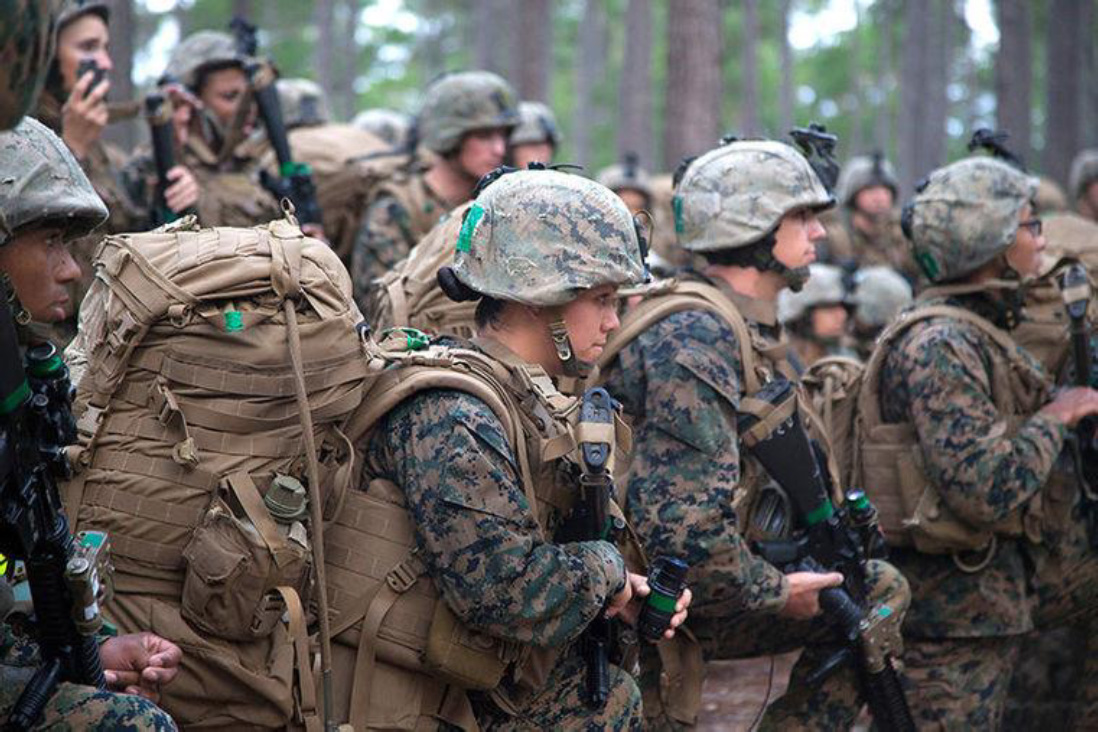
column 402, row 659
column 198, row 347
column 888, row 460
column 409, row 294
column 681, row 658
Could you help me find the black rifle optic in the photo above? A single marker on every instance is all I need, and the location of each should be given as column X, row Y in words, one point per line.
column 158, row 112
column 824, row 538
column 1074, row 287
column 68, row 580
column 295, row 179
column 995, row 143
column 590, row 521
column 818, row 146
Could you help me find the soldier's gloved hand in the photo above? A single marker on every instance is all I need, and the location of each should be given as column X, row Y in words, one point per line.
column 804, row 593
column 139, row 663
column 628, row 603
column 84, row 117
column 1071, row 405
column 183, row 192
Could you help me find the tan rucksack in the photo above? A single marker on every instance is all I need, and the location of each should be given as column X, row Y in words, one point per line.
column 409, row 295
column 215, row 360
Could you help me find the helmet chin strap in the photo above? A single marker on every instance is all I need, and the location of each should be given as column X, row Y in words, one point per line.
column 563, row 344
column 21, row 315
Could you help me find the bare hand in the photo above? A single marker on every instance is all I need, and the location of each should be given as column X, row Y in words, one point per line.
column 316, row 231
column 84, row 117
column 183, row 192
column 628, row 603
column 1071, row 405
column 138, row 663
column 804, row 593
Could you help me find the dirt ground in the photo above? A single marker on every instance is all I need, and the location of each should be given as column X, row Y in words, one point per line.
column 736, row 692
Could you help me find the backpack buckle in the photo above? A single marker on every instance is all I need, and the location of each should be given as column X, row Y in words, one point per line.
column 401, row 577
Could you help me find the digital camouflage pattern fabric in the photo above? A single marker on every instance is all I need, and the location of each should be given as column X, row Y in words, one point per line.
column 73, row 708
column 536, row 124
column 200, row 51
column 717, row 207
column 540, row 237
column 459, row 103
column 28, row 32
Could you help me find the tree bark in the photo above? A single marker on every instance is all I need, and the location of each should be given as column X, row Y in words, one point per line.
column 749, row 46
column 590, row 68
column 885, row 81
column 1014, row 73
column 1065, row 41
column 693, row 80
column 635, row 84
column 532, row 54
column 940, row 55
column 785, row 91
column 123, row 31
column 915, row 75
column 324, row 17
column 344, row 99
column 491, row 48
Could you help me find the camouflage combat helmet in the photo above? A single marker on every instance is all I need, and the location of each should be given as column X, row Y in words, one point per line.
column 879, row 294
column 74, row 9
column 862, row 172
column 824, row 287
column 539, row 237
column 1084, row 171
column 303, row 103
column 736, row 194
column 201, row 52
column 536, row 125
column 965, row 215
column 28, row 30
column 390, row 125
column 460, row 103
column 41, row 183
column 628, row 175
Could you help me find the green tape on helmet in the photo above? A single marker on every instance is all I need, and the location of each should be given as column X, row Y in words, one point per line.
column 469, row 228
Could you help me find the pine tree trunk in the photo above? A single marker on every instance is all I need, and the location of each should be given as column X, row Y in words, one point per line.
column 323, row 16
column 1065, row 60
column 533, row 52
column 915, row 93
column 123, row 30
column 693, row 80
column 1014, row 74
column 749, row 45
column 590, row 68
column 635, row 84
column 785, row 92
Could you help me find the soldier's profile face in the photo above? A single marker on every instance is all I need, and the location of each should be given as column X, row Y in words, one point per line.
column 222, row 92
column 1024, row 255
column 482, row 151
column 535, row 152
column 796, row 237
column 874, row 200
column 86, row 37
column 40, row 267
column 590, row 320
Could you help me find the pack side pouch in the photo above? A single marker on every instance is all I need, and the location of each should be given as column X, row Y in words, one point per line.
column 228, row 586
column 460, row 656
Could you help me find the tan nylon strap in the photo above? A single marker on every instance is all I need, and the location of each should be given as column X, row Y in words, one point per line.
column 143, row 507
column 397, row 301
column 220, row 442
column 770, row 417
column 166, row 470
column 305, row 691
column 149, row 552
column 247, row 495
column 681, row 297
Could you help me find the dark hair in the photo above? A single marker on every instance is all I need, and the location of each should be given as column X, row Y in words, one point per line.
column 488, row 312
column 752, row 255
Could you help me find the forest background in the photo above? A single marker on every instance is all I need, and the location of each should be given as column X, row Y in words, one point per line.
column 667, row 78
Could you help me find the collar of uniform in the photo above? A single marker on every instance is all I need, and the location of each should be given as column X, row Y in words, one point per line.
column 755, row 310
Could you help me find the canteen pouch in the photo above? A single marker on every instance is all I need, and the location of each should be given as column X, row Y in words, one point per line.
column 234, row 563
column 460, row 656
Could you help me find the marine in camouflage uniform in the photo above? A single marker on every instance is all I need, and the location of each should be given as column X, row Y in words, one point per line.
column 52, row 192
column 478, row 533
column 865, row 228
column 464, row 121
column 964, row 627
column 880, row 293
column 388, row 124
column 816, row 317
column 1083, row 183
column 536, row 137
column 690, row 485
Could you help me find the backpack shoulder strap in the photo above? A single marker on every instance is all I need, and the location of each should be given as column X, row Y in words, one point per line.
column 677, row 296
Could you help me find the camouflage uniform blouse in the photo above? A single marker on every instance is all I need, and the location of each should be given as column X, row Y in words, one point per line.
column 938, row 376
column 476, row 530
column 681, row 382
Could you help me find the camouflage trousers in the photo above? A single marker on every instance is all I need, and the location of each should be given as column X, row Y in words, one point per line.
column 74, row 707
column 561, row 705
column 962, row 683
column 830, row 705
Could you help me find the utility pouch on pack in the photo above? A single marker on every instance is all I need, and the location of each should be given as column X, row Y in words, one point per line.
column 461, row 656
column 235, row 561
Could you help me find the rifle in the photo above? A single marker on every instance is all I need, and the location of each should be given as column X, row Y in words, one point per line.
column 590, row 521
column 826, row 538
column 818, row 145
column 68, row 580
column 1075, row 290
column 295, row 179
column 158, row 112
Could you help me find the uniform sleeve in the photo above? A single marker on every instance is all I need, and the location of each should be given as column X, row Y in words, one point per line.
column 683, row 389
column 476, row 529
column 982, row 474
column 384, row 237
